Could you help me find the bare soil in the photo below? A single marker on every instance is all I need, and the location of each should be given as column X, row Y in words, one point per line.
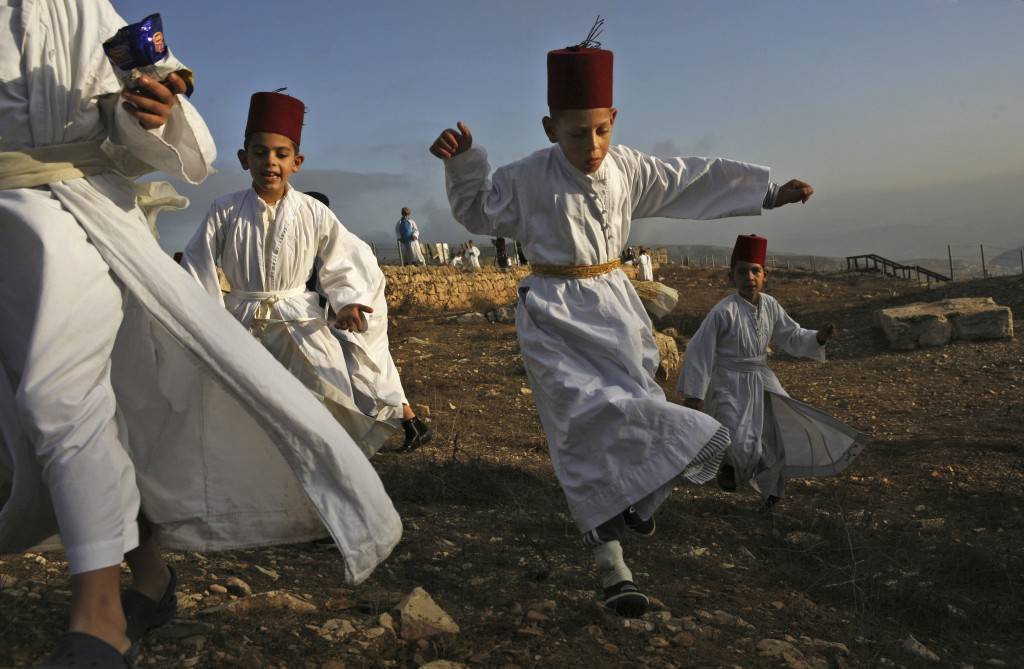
column 921, row 536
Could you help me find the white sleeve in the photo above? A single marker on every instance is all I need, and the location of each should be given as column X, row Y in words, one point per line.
column 693, row 188
column 203, row 253
column 795, row 340
column 699, row 361
column 349, row 273
column 480, row 203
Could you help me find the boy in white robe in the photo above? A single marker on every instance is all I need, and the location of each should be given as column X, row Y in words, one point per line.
column 726, row 373
column 472, row 255
column 644, row 267
column 408, row 234
column 616, row 443
column 106, row 347
column 265, row 239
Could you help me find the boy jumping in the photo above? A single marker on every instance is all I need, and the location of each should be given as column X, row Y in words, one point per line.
column 616, row 443
column 726, row 373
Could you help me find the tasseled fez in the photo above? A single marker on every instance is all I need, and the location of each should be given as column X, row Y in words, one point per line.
column 750, row 248
column 276, row 112
column 579, row 78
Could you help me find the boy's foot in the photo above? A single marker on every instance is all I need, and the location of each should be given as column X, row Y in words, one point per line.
column 143, row 614
column 416, row 434
column 767, row 504
column 727, row 477
column 77, row 650
column 626, row 599
column 634, row 522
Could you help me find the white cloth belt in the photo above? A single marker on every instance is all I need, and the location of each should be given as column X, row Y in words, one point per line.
column 38, row 166
column 267, row 308
column 743, row 364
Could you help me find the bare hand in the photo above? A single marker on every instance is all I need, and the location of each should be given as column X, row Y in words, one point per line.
column 794, row 191
column 693, row 403
column 451, row 143
column 826, row 333
column 351, row 318
column 151, row 101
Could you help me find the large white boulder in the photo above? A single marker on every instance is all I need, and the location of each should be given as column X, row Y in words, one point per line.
column 938, row 323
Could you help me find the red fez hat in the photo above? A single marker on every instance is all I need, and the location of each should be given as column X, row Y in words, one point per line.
column 750, row 248
column 276, row 112
column 579, row 78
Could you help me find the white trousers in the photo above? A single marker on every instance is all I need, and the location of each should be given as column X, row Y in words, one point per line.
column 60, row 310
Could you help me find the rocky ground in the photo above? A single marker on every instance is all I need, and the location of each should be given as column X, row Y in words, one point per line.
column 913, row 557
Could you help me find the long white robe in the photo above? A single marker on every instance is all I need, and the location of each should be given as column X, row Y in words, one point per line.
column 225, row 446
column 773, row 435
column 269, row 297
column 646, row 273
column 586, row 343
column 412, row 254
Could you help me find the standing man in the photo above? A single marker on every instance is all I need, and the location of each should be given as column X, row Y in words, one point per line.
column 409, row 238
column 472, row 255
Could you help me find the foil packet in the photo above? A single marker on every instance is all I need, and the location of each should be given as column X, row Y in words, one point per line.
column 140, row 49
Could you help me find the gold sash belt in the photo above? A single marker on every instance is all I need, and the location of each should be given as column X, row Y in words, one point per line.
column 576, row 271
column 31, row 167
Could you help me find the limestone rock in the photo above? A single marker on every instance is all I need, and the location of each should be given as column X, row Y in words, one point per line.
column 668, row 367
column 336, row 629
column 658, row 299
column 471, row 317
column 237, row 586
column 420, row 617
column 914, row 647
column 264, row 601
column 443, row 664
column 782, row 650
column 937, row 323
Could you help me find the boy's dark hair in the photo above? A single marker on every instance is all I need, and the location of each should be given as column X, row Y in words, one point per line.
column 316, row 195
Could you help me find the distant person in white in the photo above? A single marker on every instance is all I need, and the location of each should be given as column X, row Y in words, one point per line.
column 726, row 374
column 643, row 262
column 408, row 235
column 472, row 255
column 457, row 258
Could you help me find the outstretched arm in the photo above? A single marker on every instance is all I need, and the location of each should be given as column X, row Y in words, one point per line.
column 479, row 203
column 699, row 363
column 797, row 341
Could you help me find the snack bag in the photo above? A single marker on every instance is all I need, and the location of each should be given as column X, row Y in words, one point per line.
column 139, row 49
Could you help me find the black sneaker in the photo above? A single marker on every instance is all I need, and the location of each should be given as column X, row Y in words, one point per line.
column 416, row 434
column 727, row 477
column 626, row 600
column 634, row 522
column 768, row 504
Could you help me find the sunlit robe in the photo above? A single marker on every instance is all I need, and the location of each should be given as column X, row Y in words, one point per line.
column 587, row 343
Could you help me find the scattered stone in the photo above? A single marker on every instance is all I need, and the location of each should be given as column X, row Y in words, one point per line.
column 525, row 392
column 930, row 523
column 912, row 646
column 669, row 358
column 804, row 539
column 637, row 625
column 7, row 581
column 658, row 299
column 535, row 616
column 823, row 646
column 420, row 617
column 443, row 664
column 264, row 601
column 782, row 650
column 530, row 630
column 217, row 589
column 937, row 323
column 269, row 573
column 658, row 642
column 237, row 586
column 387, row 622
column 609, row 647
column 375, row 632
column 684, row 640
column 471, row 317
column 416, row 341
column 506, row 315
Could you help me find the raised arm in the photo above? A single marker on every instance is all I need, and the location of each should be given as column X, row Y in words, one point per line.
column 797, row 341
column 203, row 253
column 699, row 362
column 479, row 203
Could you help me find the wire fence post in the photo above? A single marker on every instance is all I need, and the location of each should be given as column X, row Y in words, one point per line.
column 949, row 252
column 1021, row 260
column 984, row 270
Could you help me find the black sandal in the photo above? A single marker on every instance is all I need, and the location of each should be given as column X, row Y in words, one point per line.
column 143, row 614
column 77, row 650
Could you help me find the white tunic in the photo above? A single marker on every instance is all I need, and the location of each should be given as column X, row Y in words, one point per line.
column 412, row 254
column 773, row 435
column 269, row 297
column 646, row 272
column 228, row 451
column 472, row 256
column 586, row 343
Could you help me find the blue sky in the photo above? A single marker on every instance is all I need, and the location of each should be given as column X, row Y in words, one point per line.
column 906, row 116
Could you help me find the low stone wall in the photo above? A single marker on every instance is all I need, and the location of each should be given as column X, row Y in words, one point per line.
column 440, row 289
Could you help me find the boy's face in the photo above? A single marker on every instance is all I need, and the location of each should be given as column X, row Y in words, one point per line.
column 748, row 278
column 272, row 159
column 583, row 134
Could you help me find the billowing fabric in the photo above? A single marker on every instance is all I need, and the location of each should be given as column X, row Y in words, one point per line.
column 227, row 448
column 267, row 267
column 412, row 253
column 587, row 343
column 773, row 435
column 645, row 271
